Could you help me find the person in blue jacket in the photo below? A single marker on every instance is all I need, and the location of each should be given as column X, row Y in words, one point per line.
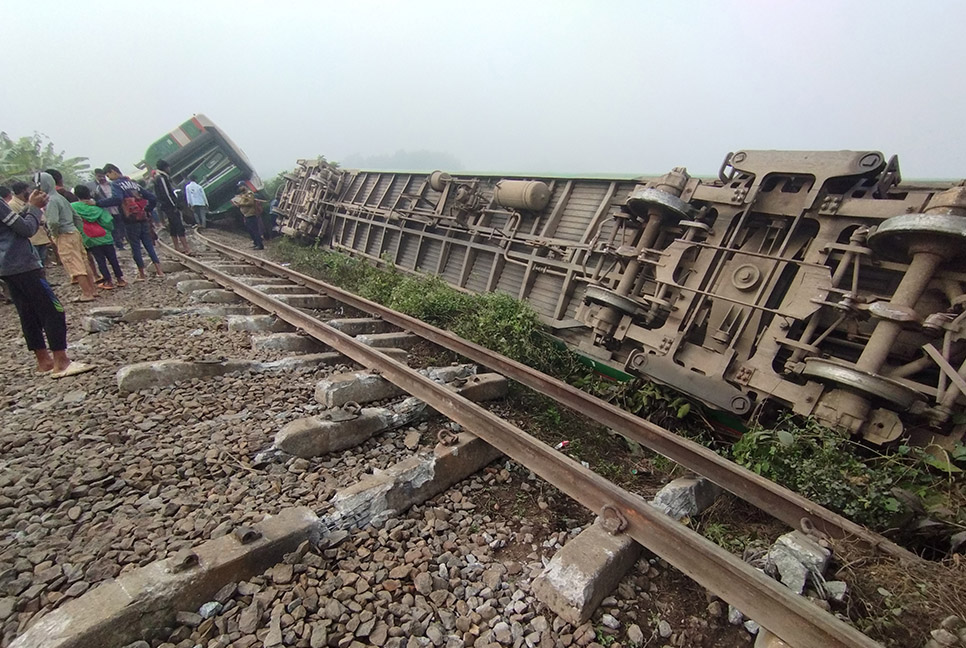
column 135, row 203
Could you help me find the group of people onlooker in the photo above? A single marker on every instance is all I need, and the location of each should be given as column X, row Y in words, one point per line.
column 85, row 227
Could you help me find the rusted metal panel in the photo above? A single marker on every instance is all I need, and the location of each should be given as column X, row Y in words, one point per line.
column 407, row 251
column 580, row 210
column 510, row 279
column 454, row 262
column 544, row 292
column 479, row 272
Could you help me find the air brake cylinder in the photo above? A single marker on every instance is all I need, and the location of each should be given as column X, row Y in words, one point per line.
column 650, row 205
column 926, row 241
column 531, row 195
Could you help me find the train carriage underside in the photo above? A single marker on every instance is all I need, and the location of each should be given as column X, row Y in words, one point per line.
column 815, row 281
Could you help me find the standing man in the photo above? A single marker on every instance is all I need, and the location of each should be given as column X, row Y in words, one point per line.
column 168, row 202
column 41, row 240
column 198, row 201
column 102, row 190
column 134, row 203
column 70, row 197
column 41, row 314
column 65, row 225
column 248, row 206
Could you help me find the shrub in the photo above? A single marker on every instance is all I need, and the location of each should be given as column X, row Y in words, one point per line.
column 829, row 468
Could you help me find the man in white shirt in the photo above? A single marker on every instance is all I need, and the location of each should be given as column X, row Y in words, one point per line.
column 198, row 201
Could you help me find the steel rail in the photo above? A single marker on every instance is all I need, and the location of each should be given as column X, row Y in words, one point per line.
column 792, row 618
column 776, row 500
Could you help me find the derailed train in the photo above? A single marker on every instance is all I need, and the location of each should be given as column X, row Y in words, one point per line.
column 812, row 280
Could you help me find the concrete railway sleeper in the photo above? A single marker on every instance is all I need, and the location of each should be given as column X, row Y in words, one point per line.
column 774, row 607
column 140, row 602
column 783, row 504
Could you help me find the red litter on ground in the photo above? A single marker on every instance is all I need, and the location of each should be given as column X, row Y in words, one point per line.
column 561, row 445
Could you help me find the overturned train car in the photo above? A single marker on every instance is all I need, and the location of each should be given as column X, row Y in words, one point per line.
column 816, row 281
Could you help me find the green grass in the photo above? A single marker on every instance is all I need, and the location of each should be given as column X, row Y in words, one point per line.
column 496, row 321
column 874, row 487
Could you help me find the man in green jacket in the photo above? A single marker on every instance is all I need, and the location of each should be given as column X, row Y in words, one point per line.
column 97, row 232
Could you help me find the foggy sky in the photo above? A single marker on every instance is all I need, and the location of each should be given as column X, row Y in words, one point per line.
column 567, row 87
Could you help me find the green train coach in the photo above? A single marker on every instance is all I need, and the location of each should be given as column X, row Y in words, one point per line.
column 199, row 150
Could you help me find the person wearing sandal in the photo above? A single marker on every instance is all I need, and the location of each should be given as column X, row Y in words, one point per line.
column 41, row 313
column 65, row 224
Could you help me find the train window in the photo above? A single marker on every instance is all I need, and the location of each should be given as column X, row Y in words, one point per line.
column 214, row 160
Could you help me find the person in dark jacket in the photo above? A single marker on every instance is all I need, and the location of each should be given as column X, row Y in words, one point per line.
column 135, row 203
column 168, row 203
column 41, row 313
column 102, row 189
column 41, row 240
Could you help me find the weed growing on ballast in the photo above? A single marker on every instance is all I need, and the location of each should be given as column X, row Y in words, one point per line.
column 871, row 487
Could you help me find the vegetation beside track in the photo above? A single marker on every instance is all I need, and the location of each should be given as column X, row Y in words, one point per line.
column 914, row 496
column 906, row 488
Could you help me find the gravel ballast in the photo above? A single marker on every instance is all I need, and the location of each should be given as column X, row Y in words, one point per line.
column 94, row 483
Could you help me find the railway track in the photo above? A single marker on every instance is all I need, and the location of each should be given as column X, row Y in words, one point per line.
column 797, row 621
column 783, row 504
column 785, row 614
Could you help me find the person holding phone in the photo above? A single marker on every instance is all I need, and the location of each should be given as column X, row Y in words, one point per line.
column 41, row 313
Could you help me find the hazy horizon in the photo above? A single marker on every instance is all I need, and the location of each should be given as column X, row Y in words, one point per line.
column 618, row 88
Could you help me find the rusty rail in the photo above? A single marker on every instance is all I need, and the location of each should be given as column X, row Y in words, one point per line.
column 791, row 617
column 776, row 500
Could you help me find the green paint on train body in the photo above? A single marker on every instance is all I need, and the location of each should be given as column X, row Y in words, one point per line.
column 724, row 422
column 197, row 149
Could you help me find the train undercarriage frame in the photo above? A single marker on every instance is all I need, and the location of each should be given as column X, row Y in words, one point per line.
column 816, row 281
